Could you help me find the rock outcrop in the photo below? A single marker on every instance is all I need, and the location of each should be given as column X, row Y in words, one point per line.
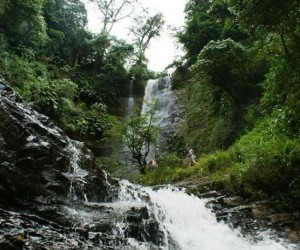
column 251, row 216
column 52, row 194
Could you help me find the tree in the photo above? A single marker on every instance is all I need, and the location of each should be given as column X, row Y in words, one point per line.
column 206, row 21
column 224, row 63
column 138, row 134
column 113, row 11
column 65, row 21
column 146, row 29
column 23, row 23
column 280, row 17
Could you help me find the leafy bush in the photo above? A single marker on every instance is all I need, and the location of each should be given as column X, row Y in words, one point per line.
column 217, row 161
column 262, row 163
column 170, row 160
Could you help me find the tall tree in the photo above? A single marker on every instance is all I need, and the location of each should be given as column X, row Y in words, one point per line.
column 145, row 29
column 139, row 133
column 205, row 21
column 279, row 17
column 66, row 20
column 113, row 11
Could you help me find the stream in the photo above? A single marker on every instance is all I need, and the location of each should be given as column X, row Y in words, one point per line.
column 53, row 196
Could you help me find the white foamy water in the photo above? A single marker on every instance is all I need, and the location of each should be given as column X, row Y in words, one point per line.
column 189, row 225
column 76, row 174
column 159, row 93
column 193, row 227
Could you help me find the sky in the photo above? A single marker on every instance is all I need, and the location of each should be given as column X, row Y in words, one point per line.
column 162, row 50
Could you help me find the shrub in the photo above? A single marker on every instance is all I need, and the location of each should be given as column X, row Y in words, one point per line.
column 268, row 160
column 170, row 160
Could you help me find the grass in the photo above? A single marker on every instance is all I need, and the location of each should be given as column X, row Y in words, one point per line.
column 262, row 164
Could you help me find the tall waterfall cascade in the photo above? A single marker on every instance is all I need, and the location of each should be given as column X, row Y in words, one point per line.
column 166, row 117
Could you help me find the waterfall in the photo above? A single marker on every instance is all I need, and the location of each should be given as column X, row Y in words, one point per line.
column 124, row 154
column 54, row 197
column 184, row 223
column 160, row 92
column 76, row 174
column 187, row 224
column 129, row 102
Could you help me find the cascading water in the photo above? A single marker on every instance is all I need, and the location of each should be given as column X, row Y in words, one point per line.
column 182, row 221
column 124, row 154
column 58, row 199
column 159, row 92
column 76, row 174
column 186, row 223
column 129, row 102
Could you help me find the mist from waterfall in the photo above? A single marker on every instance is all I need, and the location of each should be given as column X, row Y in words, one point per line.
column 129, row 102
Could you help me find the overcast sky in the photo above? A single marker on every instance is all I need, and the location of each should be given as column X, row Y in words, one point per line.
column 163, row 50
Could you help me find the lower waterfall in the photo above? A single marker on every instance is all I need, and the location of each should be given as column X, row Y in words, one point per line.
column 184, row 223
column 187, row 224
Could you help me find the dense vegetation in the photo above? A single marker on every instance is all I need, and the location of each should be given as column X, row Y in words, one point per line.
column 240, row 78
column 63, row 70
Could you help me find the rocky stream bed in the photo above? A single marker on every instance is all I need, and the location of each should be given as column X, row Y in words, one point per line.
column 53, row 196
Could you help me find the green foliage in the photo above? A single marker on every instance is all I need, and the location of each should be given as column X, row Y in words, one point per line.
column 145, row 29
column 64, row 71
column 50, row 98
column 139, row 74
column 225, row 64
column 268, row 160
column 167, row 175
column 138, row 133
column 243, row 91
column 212, row 120
column 217, row 161
column 208, row 21
column 19, row 71
column 22, row 21
column 170, row 161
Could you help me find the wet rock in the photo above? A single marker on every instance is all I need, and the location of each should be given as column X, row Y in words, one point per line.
column 281, row 218
column 49, row 182
column 38, row 156
column 293, row 235
column 251, row 217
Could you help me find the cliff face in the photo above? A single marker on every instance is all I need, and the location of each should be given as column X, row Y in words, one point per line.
column 52, row 195
column 36, row 157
